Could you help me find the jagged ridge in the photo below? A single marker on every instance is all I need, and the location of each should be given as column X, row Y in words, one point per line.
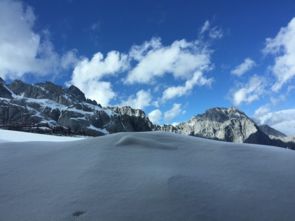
column 49, row 108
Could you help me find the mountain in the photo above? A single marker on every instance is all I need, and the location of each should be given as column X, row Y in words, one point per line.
column 271, row 131
column 227, row 124
column 232, row 125
column 49, row 108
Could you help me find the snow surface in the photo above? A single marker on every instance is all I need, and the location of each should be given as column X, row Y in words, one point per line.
column 151, row 176
column 18, row 136
column 102, row 130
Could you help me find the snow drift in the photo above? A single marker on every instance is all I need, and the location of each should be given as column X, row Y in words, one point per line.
column 145, row 176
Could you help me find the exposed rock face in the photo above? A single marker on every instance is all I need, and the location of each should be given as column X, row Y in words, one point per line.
column 167, row 128
column 4, row 91
column 222, row 124
column 49, row 108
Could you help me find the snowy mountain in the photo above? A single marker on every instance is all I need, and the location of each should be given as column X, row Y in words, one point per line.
column 49, row 108
column 148, row 176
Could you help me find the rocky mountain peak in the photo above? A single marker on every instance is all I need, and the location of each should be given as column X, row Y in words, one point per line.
column 76, row 93
column 228, row 124
column 220, row 114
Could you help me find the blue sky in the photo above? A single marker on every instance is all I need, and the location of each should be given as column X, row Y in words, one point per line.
column 174, row 59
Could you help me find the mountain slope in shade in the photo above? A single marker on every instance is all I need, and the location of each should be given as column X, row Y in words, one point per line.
column 148, row 176
column 271, row 131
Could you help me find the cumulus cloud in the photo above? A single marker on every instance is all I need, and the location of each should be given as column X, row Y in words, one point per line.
column 153, row 60
column 249, row 92
column 244, row 67
column 146, row 63
column 88, row 75
column 282, row 120
column 155, row 116
column 141, row 100
column 22, row 50
column 282, row 46
column 178, row 91
column 173, row 112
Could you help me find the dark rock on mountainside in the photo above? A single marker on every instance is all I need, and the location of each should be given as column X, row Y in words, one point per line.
column 271, row 131
column 76, row 93
column 4, row 91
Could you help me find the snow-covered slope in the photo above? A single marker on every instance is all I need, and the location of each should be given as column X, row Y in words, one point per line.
column 17, row 136
column 146, row 176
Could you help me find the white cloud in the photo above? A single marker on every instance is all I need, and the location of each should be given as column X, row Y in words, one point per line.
column 178, row 91
column 101, row 91
column 22, row 50
column 140, row 101
column 153, row 60
column 184, row 60
column 213, row 32
column 205, row 27
column 282, row 46
column 261, row 111
column 88, row 75
column 69, row 59
column 282, row 120
column 244, row 67
column 249, row 92
column 173, row 112
column 155, row 116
